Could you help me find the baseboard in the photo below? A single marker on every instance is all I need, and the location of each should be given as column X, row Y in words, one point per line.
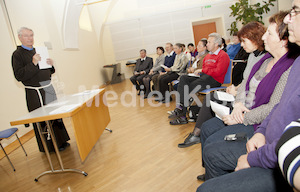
column 14, row 145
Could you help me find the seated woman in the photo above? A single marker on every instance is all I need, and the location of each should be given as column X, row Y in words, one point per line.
column 160, row 60
column 178, row 68
column 251, row 38
column 263, row 90
column 202, row 52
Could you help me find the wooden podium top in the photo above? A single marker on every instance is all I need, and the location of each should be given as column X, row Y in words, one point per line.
column 66, row 106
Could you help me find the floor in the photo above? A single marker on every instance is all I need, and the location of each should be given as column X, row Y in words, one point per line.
column 140, row 155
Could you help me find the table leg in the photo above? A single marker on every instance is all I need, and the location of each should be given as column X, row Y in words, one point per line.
column 62, row 170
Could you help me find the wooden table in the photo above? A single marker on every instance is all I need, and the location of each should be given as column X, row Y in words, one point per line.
column 89, row 116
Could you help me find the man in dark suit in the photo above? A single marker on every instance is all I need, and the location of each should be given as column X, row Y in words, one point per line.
column 142, row 68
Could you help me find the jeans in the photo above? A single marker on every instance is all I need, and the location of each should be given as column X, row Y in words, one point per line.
column 220, row 156
column 247, row 180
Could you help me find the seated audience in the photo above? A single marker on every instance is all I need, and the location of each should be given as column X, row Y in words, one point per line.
column 251, row 35
column 235, row 47
column 169, row 61
column 173, row 72
column 156, row 69
column 212, row 74
column 224, row 45
column 267, row 95
column 193, row 52
column 202, row 52
column 288, row 152
column 142, row 68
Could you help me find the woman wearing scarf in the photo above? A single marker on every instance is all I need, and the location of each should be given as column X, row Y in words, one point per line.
column 263, row 91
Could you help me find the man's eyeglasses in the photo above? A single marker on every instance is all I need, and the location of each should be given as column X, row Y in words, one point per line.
column 293, row 12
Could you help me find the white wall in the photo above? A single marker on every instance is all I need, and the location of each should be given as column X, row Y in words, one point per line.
column 285, row 4
column 75, row 68
column 182, row 12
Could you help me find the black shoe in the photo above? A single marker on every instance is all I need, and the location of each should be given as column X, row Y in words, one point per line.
column 189, row 141
column 176, row 113
column 201, row 177
column 64, row 146
column 179, row 121
column 139, row 92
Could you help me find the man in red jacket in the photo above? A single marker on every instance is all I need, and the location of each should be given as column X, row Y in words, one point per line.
column 212, row 74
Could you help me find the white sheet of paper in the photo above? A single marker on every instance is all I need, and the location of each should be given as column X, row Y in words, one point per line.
column 220, row 110
column 43, row 51
column 223, row 96
column 64, row 109
column 163, row 66
column 193, row 75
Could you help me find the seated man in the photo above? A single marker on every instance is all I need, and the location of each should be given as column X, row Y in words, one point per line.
column 257, row 170
column 212, row 74
column 169, row 61
column 142, row 68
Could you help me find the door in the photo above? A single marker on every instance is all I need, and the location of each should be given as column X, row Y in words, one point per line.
column 203, row 30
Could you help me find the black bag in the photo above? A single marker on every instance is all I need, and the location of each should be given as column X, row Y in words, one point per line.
column 193, row 112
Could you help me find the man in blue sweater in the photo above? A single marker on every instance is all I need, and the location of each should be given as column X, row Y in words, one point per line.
column 258, row 169
column 169, row 61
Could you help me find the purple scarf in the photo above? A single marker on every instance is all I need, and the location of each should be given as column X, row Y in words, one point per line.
column 267, row 85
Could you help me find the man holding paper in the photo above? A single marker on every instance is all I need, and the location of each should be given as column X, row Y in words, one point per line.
column 37, row 82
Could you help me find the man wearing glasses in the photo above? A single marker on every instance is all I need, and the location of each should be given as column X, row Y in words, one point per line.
column 261, row 177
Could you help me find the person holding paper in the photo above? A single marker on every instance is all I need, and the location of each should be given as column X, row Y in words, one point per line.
column 261, row 92
column 25, row 64
column 212, row 74
column 202, row 52
column 251, row 38
column 169, row 61
column 156, row 69
column 257, row 168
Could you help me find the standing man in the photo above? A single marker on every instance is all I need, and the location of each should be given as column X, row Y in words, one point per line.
column 142, row 68
column 25, row 64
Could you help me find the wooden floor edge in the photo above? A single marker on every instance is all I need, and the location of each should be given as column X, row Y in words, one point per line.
column 14, row 145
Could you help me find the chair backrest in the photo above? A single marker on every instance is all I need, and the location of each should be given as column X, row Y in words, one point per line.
column 228, row 76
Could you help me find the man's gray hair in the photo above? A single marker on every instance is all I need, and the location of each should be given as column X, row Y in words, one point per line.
column 23, row 28
column 218, row 38
column 143, row 50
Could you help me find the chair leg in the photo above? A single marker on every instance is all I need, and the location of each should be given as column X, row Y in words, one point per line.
column 21, row 144
column 7, row 157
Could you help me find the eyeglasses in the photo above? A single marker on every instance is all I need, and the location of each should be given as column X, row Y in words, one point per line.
column 293, row 12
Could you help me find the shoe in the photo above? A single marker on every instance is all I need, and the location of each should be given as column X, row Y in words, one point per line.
column 189, row 141
column 179, row 121
column 175, row 114
column 201, row 177
column 146, row 96
column 64, row 146
column 139, row 92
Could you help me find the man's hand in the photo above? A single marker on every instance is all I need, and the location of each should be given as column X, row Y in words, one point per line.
column 136, row 73
column 36, row 58
column 198, row 71
column 162, row 73
column 229, row 120
column 258, row 140
column 167, row 69
column 142, row 72
column 238, row 112
column 242, row 163
column 50, row 61
column 151, row 72
column 191, row 70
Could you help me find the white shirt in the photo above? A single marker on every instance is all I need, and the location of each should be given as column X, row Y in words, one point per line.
column 216, row 52
column 169, row 55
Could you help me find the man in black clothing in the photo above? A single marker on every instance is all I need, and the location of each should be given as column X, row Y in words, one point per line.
column 25, row 64
column 142, row 68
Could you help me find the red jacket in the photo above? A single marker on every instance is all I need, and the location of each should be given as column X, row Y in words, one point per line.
column 216, row 65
